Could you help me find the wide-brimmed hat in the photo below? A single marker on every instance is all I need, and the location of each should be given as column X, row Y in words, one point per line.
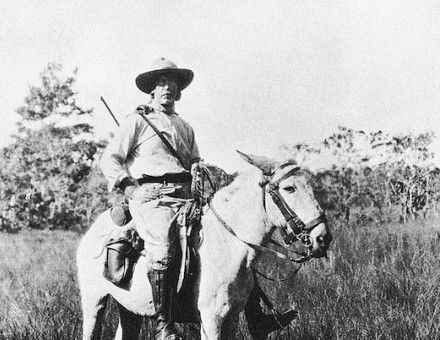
column 146, row 82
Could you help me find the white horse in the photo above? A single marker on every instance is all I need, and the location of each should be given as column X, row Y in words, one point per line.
column 226, row 259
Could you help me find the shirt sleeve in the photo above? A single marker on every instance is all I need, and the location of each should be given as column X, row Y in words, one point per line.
column 118, row 150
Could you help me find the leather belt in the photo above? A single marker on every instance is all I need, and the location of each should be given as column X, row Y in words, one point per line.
column 181, row 177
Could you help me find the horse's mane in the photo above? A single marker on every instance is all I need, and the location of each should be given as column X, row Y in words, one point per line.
column 247, row 183
column 243, row 184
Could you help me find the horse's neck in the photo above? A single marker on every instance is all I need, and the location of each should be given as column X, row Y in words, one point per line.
column 240, row 205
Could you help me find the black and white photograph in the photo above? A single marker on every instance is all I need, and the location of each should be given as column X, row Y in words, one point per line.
column 220, row 170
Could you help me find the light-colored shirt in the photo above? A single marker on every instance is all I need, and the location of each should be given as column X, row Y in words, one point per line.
column 137, row 150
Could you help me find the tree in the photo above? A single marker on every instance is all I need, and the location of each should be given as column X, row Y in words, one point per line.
column 407, row 160
column 46, row 169
column 346, row 177
column 373, row 173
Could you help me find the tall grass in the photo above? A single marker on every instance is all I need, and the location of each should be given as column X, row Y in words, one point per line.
column 381, row 282
column 39, row 297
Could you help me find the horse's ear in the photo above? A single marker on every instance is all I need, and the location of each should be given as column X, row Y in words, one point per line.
column 265, row 164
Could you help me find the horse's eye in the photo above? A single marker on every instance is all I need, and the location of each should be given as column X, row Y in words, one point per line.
column 290, row 189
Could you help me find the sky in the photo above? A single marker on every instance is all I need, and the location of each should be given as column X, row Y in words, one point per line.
column 267, row 73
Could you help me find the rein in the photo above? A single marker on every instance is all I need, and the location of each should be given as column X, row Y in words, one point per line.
column 278, row 280
column 205, row 173
column 251, row 245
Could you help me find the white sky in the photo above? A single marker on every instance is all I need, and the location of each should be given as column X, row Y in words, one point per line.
column 266, row 72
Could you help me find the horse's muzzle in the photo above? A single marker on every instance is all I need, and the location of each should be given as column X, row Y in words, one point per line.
column 322, row 245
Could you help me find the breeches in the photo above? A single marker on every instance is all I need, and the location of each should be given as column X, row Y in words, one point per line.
column 155, row 220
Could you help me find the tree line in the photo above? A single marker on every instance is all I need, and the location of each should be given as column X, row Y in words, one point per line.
column 49, row 177
column 375, row 176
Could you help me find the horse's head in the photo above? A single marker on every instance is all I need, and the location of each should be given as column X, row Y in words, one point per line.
column 291, row 207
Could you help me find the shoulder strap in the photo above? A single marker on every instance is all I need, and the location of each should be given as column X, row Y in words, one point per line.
column 164, row 140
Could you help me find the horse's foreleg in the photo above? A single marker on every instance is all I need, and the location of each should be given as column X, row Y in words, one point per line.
column 211, row 325
column 209, row 330
column 129, row 325
column 93, row 312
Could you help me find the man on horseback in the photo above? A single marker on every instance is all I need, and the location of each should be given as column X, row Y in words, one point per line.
column 152, row 159
column 156, row 179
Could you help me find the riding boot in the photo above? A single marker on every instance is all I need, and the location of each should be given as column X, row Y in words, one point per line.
column 261, row 324
column 162, row 298
column 268, row 323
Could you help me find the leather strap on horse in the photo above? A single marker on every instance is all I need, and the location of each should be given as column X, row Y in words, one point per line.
column 255, row 271
column 161, row 136
column 265, row 298
column 297, row 226
column 251, row 245
column 262, row 295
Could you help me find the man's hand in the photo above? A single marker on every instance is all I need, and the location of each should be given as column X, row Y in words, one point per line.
column 133, row 191
column 145, row 193
column 197, row 182
column 130, row 190
column 195, row 169
column 142, row 193
column 128, row 185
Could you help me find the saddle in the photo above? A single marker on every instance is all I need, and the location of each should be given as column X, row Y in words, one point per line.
column 124, row 247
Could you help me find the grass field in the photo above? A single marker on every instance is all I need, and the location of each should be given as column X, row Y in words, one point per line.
column 39, row 296
column 381, row 282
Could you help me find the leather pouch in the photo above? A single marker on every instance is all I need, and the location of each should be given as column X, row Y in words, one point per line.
column 120, row 260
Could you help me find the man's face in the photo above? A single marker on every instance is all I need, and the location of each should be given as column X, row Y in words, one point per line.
column 165, row 91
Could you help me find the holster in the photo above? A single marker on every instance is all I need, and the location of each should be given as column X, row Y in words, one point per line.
column 120, row 260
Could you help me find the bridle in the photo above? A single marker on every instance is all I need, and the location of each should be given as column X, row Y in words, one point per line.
column 295, row 228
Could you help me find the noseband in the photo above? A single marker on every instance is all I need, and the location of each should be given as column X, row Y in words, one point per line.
column 295, row 228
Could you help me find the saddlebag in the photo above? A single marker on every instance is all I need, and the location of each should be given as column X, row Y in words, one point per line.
column 121, row 257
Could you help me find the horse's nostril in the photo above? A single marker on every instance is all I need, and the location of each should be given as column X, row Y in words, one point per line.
column 320, row 240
